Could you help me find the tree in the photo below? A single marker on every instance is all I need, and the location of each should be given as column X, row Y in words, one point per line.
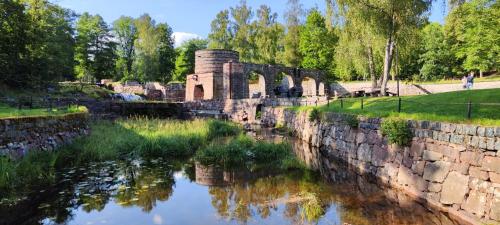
column 146, row 66
column 472, row 30
column 390, row 19
column 13, row 43
column 268, row 36
column 50, row 43
column 220, row 36
column 94, row 49
column 242, row 32
column 436, row 56
column 317, row 44
column 185, row 62
column 126, row 34
column 291, row 55
column 166, row 53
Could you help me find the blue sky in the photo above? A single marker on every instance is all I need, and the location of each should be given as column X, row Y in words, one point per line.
column 189, row 18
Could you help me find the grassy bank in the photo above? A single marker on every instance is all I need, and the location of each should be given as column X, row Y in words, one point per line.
column 11, row 112
column 449, row 107
column 216, row 142
column 243, row 151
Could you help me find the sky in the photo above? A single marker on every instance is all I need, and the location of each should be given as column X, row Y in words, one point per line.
column 190, row 18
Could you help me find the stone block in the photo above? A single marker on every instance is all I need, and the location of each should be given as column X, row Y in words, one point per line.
column 360, row 137
column 494, row 177
column 410, row 180
column 436, row 171
column 482, row 143
column 435, row 187
column 497, row 132
column 490, row 132
column 418, row 167
column 480, row 185
column 473, row 158
column 364, row 153
column 475, row 203
column 490, row 143
column 491, row 163
column 457, row 139
column 462, row 168
column 417, row 149
column 481, row 131
column 432, row 156
column 497, row 144
column 454, row 190
column 442, row 136
column 470, row 130
column 474, row 142
column 476, row 172
column 448, row 127
column 380, row 156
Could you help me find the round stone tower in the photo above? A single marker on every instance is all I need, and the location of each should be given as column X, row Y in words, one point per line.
column 212, row 61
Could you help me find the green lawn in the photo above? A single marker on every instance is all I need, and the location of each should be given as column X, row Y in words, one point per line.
column 450, row 107
column 10, row 112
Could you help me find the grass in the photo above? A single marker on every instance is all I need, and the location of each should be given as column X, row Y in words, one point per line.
column 122, row 139
column 494, row 77
column 244, row 151
column 448, row 107
column 12, row 112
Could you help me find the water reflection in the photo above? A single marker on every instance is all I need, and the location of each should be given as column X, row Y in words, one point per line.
column 161, row 192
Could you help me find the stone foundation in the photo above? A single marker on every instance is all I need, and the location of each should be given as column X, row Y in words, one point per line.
column 20, row 135
column 452, row 167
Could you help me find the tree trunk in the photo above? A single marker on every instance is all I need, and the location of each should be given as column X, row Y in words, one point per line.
column 371, row 68
column 480, row 73
column 389, row 51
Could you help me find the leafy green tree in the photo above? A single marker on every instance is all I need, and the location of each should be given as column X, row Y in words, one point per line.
column 146, row 66
column 242, row 31
column 317, row 44
column 13, row 43
column 291, row 55
column 473, row 31
column 166, row 53
column 126, row 34
column 50, row 43
column 94, row 49
column 220, row 36
column 268, row 36
column 436, row 55
column 394, row 20
column 184, row 64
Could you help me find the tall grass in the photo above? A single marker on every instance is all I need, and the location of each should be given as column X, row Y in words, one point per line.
column 244, row 151
column 139, row 137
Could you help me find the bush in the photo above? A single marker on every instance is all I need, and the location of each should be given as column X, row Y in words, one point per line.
column 352, row 120
column 397, row 131
column 314, row 115
column 222, row 129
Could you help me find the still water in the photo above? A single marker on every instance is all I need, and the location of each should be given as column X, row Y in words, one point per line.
column 161, row 192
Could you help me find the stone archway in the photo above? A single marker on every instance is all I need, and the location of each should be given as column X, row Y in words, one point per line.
column 309, row 87
column 256, row 85
column 199, row 92
column 283, row 83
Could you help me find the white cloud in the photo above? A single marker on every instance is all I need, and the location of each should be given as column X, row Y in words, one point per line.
column 157, row 219
column 181, row 37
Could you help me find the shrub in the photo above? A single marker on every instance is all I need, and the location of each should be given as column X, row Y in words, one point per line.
column 397, row 131
column 314, row 115
column 352, row 120
column 222, row 129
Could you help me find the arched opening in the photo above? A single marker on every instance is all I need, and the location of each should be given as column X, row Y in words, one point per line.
column 321, row 90
column 283, row 84
column 199, row 92
column 256, row 85
column 308, row 87
column 258, row 112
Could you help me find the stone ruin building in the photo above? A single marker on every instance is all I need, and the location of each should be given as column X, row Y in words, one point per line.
column 219, row 76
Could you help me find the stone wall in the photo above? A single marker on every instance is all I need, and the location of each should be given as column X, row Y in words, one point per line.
column 408, row 89
column 20, row 135
column 452, row 167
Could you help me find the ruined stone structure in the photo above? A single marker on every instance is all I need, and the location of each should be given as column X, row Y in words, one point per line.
column 219, row 75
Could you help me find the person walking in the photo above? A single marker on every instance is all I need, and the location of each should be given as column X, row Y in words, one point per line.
column 465, row 82
column 470, row 81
